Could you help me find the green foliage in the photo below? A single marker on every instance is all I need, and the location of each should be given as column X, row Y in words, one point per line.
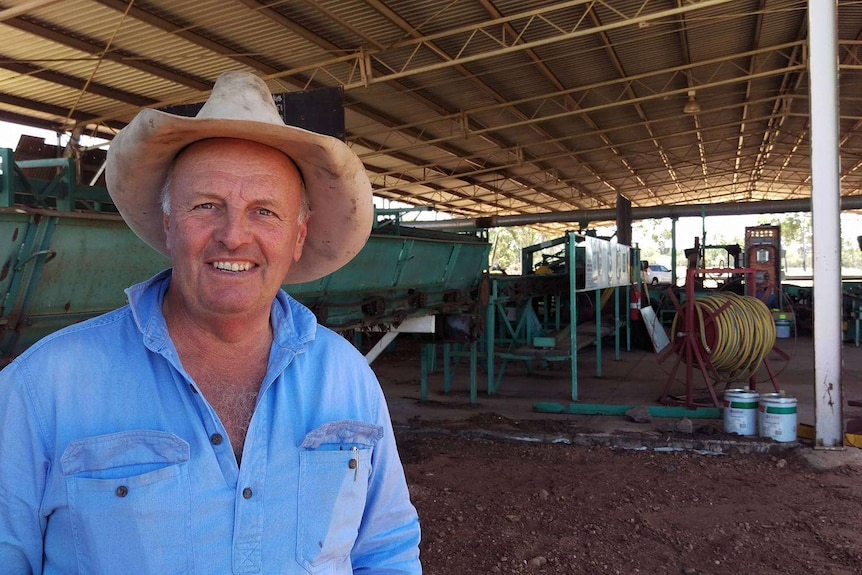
column 654, row 240
column 796, row 234
column 851, row 255
column 506, row 247
column 797, row 241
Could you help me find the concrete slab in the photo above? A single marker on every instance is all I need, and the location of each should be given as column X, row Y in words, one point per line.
column 635, row 378
column 825, row 459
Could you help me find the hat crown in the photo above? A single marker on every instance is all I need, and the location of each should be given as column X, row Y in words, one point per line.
column 241, row 96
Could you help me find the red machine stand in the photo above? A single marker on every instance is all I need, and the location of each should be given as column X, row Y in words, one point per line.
column 688, row 345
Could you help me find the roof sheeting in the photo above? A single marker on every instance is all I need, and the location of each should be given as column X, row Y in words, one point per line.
column 474, row 107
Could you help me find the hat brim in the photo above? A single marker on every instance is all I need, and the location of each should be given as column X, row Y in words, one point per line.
column 337, row 187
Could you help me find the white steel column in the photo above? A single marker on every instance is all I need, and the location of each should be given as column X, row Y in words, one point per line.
column 826, row 222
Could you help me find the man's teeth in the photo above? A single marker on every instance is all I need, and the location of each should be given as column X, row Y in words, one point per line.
column 232, row 266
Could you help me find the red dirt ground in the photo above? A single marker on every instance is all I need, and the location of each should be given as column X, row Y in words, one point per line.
column 489, row 506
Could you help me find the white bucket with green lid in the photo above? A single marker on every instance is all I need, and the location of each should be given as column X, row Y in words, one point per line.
column 777, row 417
column 740, row 411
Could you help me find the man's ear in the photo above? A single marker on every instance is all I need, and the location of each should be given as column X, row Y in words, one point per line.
column 166, row 225
column 300, row 241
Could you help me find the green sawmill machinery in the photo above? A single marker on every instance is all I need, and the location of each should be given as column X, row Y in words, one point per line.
column 66, row 256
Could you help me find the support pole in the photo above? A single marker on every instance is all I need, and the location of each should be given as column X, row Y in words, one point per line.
column 673, row 277
column 629, row 321
column 598, row 297
column 617, row 321
column 474, row 352
column 826, row 223
column 490, row 336
column 571, row 256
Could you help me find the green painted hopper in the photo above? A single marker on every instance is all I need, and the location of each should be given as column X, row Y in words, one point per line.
column 67, row 260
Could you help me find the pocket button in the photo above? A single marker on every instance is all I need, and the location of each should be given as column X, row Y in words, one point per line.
column 122, row 491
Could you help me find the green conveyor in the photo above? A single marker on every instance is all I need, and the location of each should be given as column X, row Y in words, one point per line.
column 66, row 258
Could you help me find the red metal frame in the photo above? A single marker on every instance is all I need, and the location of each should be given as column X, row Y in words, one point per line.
column 688, row 347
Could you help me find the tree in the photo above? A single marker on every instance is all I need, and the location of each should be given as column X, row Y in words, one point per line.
column 716, row 257
column 796, row 231
column 506, row 247
column 654, row 239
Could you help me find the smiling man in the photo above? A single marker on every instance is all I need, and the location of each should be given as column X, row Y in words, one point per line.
column 211, row 426
column 234, row 224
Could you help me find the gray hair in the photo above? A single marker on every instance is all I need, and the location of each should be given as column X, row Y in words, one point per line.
column 165, row 196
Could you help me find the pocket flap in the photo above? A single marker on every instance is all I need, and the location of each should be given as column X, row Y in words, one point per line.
column 346, row 431
column 126, row 448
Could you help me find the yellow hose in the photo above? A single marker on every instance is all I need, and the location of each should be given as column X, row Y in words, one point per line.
column 744, row 333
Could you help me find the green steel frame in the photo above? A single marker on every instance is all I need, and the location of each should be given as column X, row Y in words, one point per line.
column 522, row 337
column 68, row 258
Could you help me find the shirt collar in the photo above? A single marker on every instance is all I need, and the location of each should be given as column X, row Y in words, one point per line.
column 294, row 325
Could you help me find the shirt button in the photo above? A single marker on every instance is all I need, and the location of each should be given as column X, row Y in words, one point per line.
column 216, row 438
column 122, row 491
column 246, row 493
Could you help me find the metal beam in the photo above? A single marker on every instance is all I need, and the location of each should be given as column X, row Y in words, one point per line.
column 95, row 47
column 580, row 111
column 513, row 156
column 649, row 213
column 190, row 36
column 352, row 70
column 282, row 20
column 24, row 8
column 471, row 123
column 75, row 83
column 49, row 109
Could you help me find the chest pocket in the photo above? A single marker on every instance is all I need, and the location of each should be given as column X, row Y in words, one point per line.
column 335, row 464
column 129, row 499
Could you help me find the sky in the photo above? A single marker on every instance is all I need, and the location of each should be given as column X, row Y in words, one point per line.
column 9, row 134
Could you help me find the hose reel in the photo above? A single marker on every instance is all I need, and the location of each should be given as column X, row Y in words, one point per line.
column 735, row 333
column 724, row 337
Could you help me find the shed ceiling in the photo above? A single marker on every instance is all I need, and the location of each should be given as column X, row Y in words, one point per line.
column 473, row 107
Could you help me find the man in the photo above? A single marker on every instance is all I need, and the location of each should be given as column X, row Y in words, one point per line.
column 211, row 426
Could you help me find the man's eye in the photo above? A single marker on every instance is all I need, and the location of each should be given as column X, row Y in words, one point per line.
column 205, row 206
column 264, row 212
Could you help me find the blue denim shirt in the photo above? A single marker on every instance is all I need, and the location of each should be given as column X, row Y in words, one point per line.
column 108, row 463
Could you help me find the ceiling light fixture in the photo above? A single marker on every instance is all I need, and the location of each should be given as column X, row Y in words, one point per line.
column 691, row 106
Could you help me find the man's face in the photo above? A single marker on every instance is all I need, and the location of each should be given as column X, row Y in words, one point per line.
column 233, row 230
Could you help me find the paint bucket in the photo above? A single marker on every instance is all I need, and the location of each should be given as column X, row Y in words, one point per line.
column 740, row 411
column 777, row 417
column 782, row 328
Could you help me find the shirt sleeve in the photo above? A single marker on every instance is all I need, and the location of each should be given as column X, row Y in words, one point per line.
column 388, row 540
column 23, row 472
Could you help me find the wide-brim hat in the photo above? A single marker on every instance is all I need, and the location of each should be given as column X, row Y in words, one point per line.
column 241, row 106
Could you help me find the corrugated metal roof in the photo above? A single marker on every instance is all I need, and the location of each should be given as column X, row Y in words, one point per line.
column 476, row 106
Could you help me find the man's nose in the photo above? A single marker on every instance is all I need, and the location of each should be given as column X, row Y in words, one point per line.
column 234, row 229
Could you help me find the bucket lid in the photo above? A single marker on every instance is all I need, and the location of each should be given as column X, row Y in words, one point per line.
column 777, row 398
column 738, row 392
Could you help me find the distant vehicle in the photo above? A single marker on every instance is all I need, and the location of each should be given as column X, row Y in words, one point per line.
column 656, row 274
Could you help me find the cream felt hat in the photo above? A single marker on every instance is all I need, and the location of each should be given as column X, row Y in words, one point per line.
column 241, row 106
